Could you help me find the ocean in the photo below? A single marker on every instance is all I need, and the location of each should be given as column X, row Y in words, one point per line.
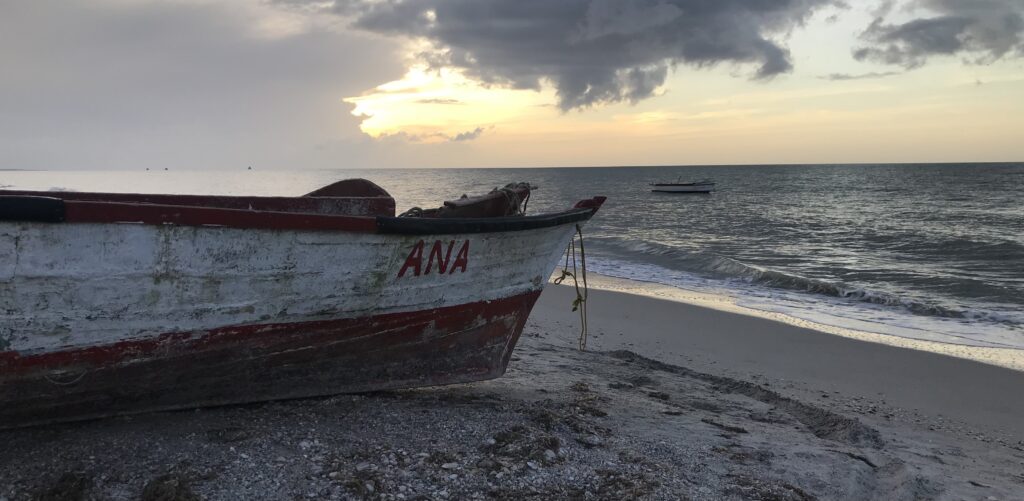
column 930, row 252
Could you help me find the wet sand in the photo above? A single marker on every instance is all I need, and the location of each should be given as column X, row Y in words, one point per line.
column 806, row 361
column 671, row 402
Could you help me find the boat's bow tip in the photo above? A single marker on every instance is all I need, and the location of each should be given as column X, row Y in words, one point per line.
column 593, row 203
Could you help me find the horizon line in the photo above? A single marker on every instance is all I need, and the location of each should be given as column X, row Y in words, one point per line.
column 635, row 166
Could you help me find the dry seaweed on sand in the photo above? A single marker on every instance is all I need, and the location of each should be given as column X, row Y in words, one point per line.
column 554, row 427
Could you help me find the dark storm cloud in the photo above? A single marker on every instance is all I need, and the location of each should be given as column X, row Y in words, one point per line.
column 981, row 30
column 591, row 51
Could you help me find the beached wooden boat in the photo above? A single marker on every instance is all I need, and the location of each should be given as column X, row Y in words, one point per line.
column 705, row 186
column 123, row 303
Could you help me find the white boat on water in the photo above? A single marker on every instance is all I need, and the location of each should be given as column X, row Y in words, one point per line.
column 704, row 186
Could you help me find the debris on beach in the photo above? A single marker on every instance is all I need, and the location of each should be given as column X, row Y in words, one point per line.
column 561, row 424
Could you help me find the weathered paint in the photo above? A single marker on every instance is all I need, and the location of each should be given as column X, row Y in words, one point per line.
column 236, row 364
column 107, row 318
column 84, row 284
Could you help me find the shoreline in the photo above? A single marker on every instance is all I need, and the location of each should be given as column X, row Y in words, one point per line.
column 1009, row 358
column 809, row 364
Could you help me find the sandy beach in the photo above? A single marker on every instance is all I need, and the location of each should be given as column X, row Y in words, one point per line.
column 804, row 361
column 671, row 401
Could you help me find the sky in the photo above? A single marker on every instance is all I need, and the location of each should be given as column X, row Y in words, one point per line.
column 320, row 84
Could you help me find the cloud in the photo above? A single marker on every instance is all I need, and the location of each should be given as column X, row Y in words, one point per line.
column 981, row 30
column 469, row 135
column 838, row 77
column 431, row 137
column 112, row 84
column 590, row 51
column 439, row 101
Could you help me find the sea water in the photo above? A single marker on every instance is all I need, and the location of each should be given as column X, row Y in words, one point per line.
column 930, row 252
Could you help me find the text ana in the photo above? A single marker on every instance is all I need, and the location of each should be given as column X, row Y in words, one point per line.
column 439, row 258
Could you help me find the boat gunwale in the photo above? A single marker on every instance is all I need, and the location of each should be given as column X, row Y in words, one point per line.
column 56, row 210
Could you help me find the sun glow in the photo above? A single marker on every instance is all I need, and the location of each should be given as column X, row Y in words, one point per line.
column 431, row 105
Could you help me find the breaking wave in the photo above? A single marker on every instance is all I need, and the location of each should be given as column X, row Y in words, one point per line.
column 715, row 266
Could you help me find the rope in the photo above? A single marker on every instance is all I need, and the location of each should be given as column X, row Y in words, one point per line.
column 413, row 212
column 511, row 198
column 580, row 303
column 514, row 202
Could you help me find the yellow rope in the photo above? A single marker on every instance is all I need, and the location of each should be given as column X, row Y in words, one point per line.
column 580, row 303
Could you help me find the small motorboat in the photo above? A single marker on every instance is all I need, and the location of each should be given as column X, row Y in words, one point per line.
column 118, row 303
column 703, row 186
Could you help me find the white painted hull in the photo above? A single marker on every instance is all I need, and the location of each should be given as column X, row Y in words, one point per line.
column 109, row 319
column 83, row 285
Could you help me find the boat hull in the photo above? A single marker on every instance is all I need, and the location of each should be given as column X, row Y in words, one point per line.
column 102, row 319
column 700, row 188
column 249, row 363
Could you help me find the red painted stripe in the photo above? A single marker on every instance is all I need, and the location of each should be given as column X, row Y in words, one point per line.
column 369, row 205
column 401, row 328
column 114, row 212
